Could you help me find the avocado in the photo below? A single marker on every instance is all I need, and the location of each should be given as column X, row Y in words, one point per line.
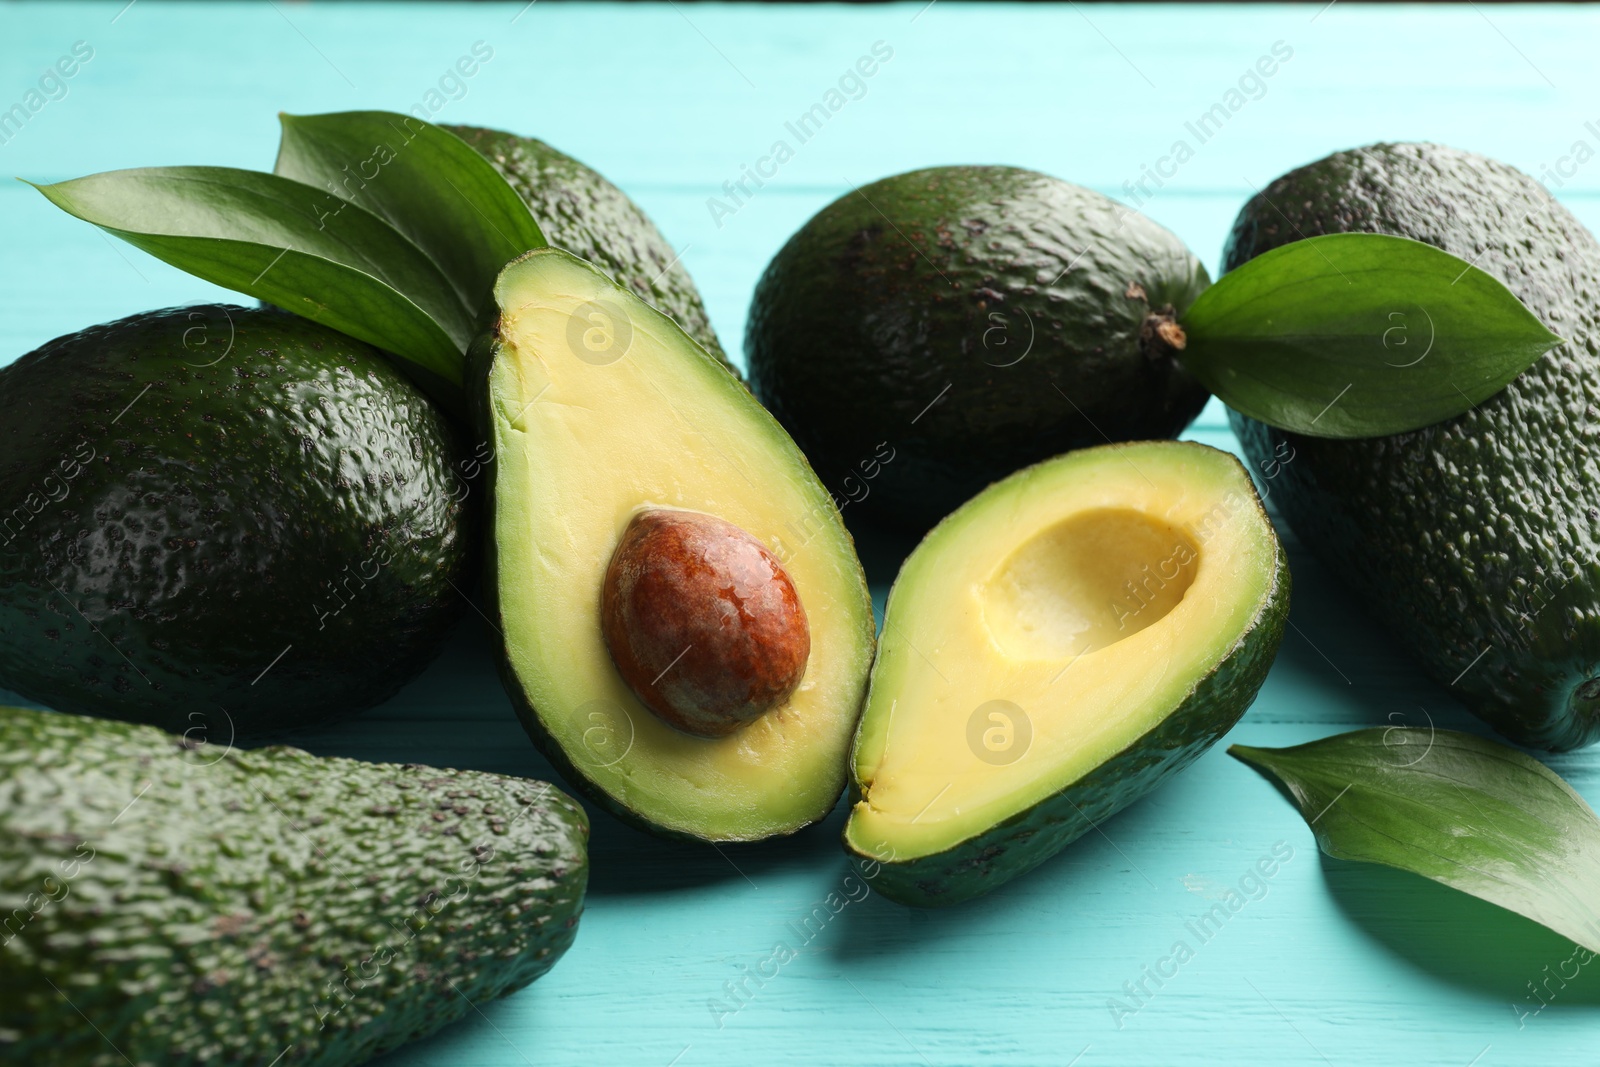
column 963, row 322
column 1473, row 540
column 172, row 902
column 581, row 211
column 638, row 496
column 1055, row 649
column 222, row 520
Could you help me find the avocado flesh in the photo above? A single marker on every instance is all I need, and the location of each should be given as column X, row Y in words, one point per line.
column 1128, row 599
column 223, row 520
column 579, row 210
column 967, row 321
column 1473, row 539
column 204, row 906
column 586, row 437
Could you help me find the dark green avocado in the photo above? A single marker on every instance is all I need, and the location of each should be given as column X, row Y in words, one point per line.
column 932, row 332
column 173, row 903
column 579, row 210
column 222, row 520
column 1477, row 540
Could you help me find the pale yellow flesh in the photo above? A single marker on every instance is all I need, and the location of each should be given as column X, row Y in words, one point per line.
column 1092, row 593
column 581, row 445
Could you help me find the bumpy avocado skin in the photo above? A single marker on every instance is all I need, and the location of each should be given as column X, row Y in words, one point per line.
column 1475, row 540
column 987, row 860
column 968, row 321
column 588, row 216
column 222, row 521
column 203, row 906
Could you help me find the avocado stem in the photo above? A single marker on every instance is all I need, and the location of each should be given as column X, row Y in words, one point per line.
column 1160, row 336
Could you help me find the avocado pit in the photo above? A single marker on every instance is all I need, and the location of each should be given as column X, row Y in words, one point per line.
column 702, row 621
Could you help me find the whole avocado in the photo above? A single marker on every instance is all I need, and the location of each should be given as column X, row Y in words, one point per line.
column 173, row 903
column 1476, row 540
column 579, row 210
column 222, row 520
column 935, row 331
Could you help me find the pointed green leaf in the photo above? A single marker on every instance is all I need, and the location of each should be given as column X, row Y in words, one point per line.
column 424, row 181
column 1459, row 809
column 1358, row 335
column 278, row 240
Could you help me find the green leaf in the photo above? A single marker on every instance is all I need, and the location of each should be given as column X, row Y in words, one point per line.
column 424, row 181
column 1358, row 335
column 1462, row 810
column 277, row 240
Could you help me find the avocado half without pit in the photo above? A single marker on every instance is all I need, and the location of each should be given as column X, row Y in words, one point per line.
column 1053, row 650
column 686, row 629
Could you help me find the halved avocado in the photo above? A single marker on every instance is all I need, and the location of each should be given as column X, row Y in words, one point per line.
column 1054, row 650
column 601, row 412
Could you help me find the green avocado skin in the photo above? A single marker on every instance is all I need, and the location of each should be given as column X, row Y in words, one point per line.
column 981, row 863
column 173, row 904
column 966, row 321
column 581, row 211
column 1476, row 540
column 222, row 521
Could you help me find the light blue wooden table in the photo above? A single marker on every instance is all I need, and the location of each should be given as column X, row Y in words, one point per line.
column 1337, row 963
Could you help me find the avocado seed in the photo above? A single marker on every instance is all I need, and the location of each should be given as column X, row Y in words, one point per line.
column 703, row 622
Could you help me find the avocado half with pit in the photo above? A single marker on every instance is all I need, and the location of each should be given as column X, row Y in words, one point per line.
column 1053, row 650
column 686, row 627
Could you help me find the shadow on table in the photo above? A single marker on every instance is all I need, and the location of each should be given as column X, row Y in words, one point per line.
column 877, row 928
column 1101, row 868
column 1464, row 941
column 882, row 551
column 625, row 861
